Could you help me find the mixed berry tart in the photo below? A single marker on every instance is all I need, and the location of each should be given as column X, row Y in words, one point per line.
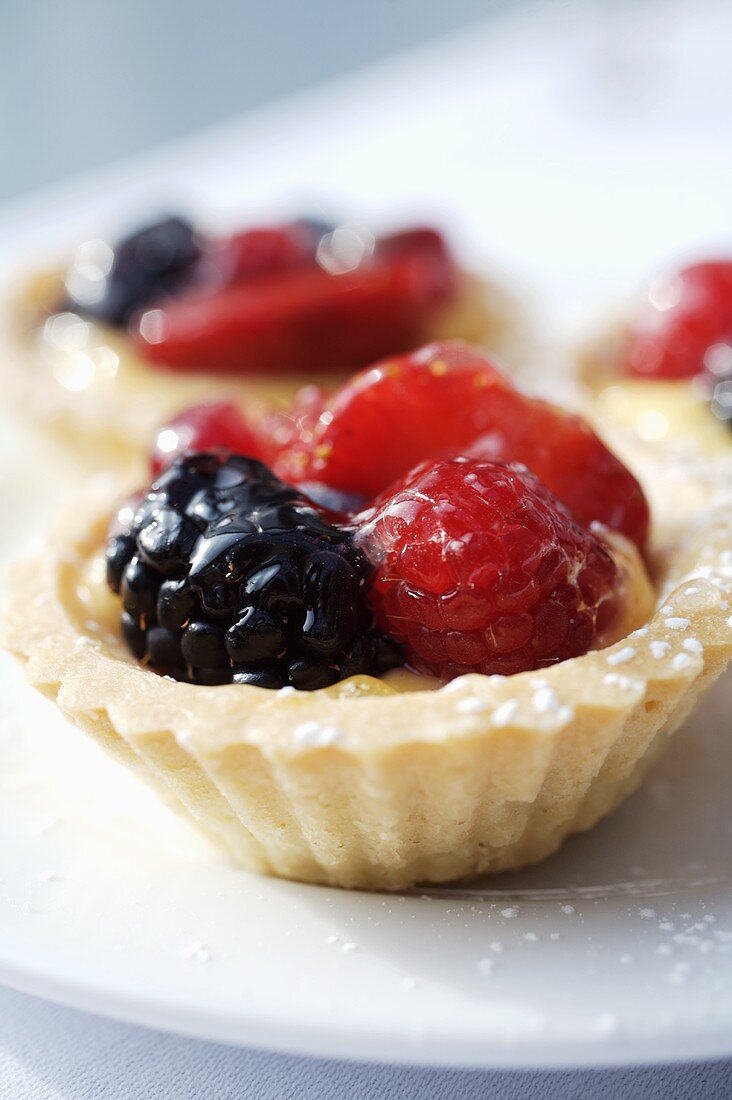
column 664, row 368
column 422, row 627
column 131, row 331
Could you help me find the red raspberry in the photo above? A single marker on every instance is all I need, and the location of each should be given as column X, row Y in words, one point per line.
column 218, row 426
column 479, row 568
column 306, row 319
column 682, row 317
column 449, row 399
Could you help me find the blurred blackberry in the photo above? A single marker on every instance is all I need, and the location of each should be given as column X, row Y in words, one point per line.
column 111, row 283
column 227, row 574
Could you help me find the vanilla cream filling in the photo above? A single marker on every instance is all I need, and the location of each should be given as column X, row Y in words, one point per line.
column 664, row 412
column 99, row 614
column 670, row 413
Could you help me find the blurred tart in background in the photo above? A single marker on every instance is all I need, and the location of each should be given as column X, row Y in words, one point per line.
column 130, row 332
column 664, row 368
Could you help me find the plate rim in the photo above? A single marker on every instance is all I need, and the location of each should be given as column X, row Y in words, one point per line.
column 178, row 1016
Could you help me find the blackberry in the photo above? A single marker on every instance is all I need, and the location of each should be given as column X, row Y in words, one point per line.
column 147, row 264
column 227, row 574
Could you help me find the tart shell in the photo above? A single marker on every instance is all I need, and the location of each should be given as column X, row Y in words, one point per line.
column 361, row 785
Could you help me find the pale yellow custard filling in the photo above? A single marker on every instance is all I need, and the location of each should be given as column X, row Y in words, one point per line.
column 669, row 413
column 99, row 612
column 664, row 412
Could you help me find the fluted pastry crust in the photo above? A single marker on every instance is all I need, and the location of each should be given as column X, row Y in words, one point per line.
column 363, row 786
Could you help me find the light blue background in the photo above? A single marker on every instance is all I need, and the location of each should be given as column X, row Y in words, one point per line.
column 85, row 82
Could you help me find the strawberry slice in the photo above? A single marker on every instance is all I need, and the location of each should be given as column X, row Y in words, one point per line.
column 258, row 253
column 445, row 400
column 307, row 319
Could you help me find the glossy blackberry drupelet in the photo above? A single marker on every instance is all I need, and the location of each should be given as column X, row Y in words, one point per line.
column 145, row 265
column 227, row 574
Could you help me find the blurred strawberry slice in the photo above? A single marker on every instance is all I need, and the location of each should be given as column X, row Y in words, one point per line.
column 306, row 319
column 258, row 253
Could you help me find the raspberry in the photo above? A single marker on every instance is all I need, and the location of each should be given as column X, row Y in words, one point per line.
column 681, row 319
column 228, row 575
column 305, row 319
column 479, row 568
column 448, row 399
column 218, row 426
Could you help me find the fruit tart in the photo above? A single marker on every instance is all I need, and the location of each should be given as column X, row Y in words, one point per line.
column 132, row 331
column 664, row 367
column 428, row 629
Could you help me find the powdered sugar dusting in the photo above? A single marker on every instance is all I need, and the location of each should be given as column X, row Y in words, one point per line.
column 505, row 713
column 621, row 656
column 316, row 734
column 471, row 704
column 625, row 683
column 545, row 701
column 681, row 662
column 196, row 950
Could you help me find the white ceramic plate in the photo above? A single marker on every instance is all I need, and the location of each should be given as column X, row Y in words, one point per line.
column 617, row 950
column 620, row 948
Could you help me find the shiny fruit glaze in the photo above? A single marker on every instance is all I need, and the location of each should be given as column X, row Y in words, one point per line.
column 479, row 568
column 305, row 319
column 448, row 399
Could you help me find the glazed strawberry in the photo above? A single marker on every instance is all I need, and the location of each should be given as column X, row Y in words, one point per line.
column 449, row 399
column 683, row 316
column 479, row 568
column 305, row 320
column 566, row 455
column 383, row 421
column 292, row 427
column 219, row 426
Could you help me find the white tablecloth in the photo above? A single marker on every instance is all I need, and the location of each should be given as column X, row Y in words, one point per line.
column 53, row 1053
